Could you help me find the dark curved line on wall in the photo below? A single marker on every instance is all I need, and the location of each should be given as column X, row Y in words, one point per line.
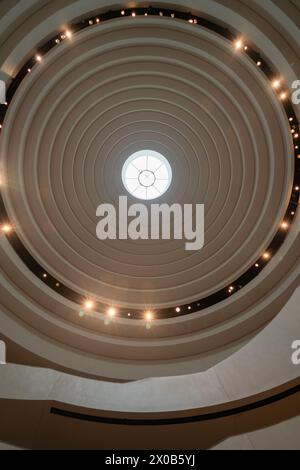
column 180, row 420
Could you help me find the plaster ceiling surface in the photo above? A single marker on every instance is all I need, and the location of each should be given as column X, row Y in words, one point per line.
column 116, row 88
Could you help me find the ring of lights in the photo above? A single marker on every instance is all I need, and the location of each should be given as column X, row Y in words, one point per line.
column 285, row 210
column 237, row 283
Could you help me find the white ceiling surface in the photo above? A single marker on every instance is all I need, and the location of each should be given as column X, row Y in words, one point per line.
column 116, row 88
column 263, row 364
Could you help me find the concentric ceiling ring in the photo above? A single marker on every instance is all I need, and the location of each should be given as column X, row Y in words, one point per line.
column 190, row 97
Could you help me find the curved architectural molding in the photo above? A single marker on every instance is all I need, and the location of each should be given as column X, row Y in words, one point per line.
column 212, row 112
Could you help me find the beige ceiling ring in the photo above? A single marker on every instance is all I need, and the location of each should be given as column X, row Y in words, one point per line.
column 199, row 109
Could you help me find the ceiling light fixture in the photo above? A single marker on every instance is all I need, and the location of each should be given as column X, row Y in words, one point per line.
column 238, row 44
column 148, row 316
column 111, row 312
column 89, row 304
column 6, row 228
column 276, row 83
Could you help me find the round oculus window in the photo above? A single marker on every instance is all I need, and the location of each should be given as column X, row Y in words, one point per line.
column 146, row 174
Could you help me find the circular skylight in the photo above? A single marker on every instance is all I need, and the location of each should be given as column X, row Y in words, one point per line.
column 146, row 174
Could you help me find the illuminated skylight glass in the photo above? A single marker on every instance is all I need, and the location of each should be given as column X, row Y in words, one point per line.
column 146, row 174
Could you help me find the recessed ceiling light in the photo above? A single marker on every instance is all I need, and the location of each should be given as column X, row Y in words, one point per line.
column 6, row 228
column 111, row 312
column 238, row 44
column 276, row 83
column 89, row 304
column 148, row 316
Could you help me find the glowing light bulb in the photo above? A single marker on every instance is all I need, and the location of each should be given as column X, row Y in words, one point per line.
column 111, row 312
column 189, row 307
column 284, row 225
column 296, row 188
column 258, row 63
column 256, row 265
column 296, row 136
column 290, row 119
column 38, row 58
column 28, row 70
column 133, row 13
column 45, row 276
column 266, row 255
column 123, row 12
column 6, row 228
column 283, row 95
column 177, row 309
column 97, row 20
column 276, row 83
column 148, row 316
column 245, row 48
column 89, row 304
column 68, row 34
column 238, row 44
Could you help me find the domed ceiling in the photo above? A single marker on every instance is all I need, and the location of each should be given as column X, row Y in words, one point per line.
column 103, row 87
